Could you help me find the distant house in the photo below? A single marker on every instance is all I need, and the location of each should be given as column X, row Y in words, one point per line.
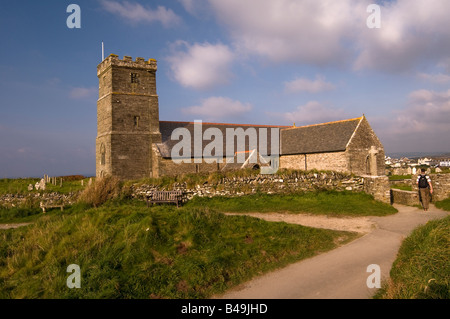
column 425, row 161
column 445, row 163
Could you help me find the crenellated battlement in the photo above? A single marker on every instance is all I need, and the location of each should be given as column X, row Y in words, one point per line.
column 139, row 63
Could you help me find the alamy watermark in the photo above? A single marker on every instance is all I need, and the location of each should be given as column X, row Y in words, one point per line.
column 374, row 280
column 74, row 19
column 74, row 280
column 241, row 146
column 374, row 20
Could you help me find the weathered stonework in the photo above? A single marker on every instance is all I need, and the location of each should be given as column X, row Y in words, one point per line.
column 379, row 187
column 18, row 200
column 276, row 184
column 128, row 118
column 402, row 197
column 170, row 168
column 336, row 161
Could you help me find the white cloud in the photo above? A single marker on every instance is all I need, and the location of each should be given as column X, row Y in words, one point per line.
column 412, row 32
column 435, row 78
column 312, row 112
column 83, row 93
column 307, row 85
column 218, row 108
column 201, row 66
column 329, row 32
column 135, row 13
column 422, row 125
column 427, row 111
column 307, row 31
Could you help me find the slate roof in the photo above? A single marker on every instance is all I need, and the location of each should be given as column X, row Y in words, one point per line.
column 318, row 138
column 167, row 127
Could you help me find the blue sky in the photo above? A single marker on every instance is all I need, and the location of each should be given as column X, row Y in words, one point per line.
column 240, row 61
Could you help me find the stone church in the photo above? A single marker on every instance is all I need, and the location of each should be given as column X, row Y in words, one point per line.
column 132, row 143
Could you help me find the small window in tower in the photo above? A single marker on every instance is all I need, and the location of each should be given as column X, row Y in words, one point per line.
column 134, row 78
column 136, row 121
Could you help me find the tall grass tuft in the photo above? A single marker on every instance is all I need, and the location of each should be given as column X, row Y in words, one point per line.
column 100, row 191
column 444, row 204
column 422, row 267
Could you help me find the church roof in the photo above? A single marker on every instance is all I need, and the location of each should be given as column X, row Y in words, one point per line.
column 318, row 138
column 167, row 127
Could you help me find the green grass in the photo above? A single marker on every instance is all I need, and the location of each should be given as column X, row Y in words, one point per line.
column 422, row 267
column 126, row 250
column 18, row 215
column 20, row 186
column 444, row 204
column 402, row 186
column 323, row 202
column 399, row 177
column 444, row 170
column 16, row 186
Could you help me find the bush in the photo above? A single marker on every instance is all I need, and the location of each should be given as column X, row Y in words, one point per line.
column 102, row 190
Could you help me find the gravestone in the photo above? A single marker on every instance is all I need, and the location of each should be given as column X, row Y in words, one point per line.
column 42, row 184
column 30, row 187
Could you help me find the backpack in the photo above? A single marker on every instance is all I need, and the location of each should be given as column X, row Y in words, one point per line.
column 423, row 183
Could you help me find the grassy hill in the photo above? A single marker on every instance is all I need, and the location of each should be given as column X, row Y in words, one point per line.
column 126, row 250
column 422, row 267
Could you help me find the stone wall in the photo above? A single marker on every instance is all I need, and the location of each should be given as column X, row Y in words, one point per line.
column 379, row 187
column 336, row 161
column 167, row 167
column 18, row 200
column 409, row 198
column 283, row 183
column 441, row 185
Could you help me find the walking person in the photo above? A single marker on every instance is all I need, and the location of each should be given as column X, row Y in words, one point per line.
column 425, row 189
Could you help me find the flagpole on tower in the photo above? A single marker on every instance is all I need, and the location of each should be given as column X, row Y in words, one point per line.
column 103, row 51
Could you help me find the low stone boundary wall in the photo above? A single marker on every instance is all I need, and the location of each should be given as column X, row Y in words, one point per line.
column 279, row 184
column 409, row 198
column 17, row 200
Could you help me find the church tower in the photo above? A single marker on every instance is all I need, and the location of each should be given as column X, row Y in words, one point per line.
column 127, row 118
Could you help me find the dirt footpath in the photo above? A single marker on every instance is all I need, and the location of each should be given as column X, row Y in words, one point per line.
column 353, row 224
column 340, row 273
